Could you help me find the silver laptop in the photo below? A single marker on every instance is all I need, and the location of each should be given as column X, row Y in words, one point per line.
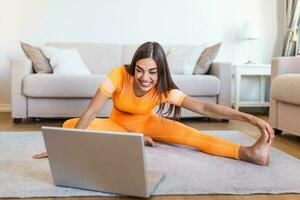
column 100, row 160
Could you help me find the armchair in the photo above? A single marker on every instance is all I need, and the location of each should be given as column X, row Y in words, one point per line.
column 285, row 95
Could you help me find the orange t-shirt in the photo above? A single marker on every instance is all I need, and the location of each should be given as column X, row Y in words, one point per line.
column 119, row 86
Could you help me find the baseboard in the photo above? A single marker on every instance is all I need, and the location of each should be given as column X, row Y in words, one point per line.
column 5, row 108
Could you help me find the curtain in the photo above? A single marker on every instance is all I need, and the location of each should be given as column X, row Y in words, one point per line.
column 291, row 43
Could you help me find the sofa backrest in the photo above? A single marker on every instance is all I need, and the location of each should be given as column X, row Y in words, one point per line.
column 100, row 58
column 129, row 50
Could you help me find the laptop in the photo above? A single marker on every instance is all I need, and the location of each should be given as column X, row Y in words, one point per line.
column 104, row 161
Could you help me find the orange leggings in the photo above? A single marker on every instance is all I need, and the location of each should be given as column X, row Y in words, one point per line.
column 163, row 130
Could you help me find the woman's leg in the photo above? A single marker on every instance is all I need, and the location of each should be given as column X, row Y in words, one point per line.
column 96, row 124
column 169, row 131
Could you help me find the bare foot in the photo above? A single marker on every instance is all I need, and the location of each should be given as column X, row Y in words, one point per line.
column 258, row 153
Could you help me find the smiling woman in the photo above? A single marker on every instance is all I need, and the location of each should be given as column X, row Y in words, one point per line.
column 136, row 89
column 150, row 69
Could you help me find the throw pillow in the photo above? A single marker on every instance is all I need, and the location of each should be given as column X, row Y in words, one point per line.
column 40, row 63
column 65, row 61
column 183, row 59
column 206, row 59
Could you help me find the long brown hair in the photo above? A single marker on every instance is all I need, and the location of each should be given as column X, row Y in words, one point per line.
column 164, row 83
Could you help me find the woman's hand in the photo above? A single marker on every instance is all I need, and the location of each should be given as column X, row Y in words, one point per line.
column 40, row 155
column 265, row 129
column 149, row 142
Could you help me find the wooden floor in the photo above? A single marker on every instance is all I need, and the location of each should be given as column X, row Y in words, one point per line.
column 285, row 142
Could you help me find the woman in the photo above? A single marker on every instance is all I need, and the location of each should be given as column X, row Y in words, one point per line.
column 139, row 87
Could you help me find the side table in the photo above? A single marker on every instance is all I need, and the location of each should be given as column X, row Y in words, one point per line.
column 261, row 70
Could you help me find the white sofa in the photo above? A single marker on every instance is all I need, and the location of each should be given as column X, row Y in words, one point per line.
column 64, row 96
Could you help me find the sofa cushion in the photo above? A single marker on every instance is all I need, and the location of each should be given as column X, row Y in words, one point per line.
column 99, row 58
column 183, row 59
column 206, row 59
column 85, row 86
column 286, row 88
column 40, row 63
column 198, row 85
column 65, row 61
column 61, row 85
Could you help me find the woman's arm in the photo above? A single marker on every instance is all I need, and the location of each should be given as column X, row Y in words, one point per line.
column 95, row 106
column 218, row 111
column 215, row 111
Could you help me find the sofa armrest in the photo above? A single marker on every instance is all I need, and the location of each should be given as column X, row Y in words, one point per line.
column 285, row 65
column 222, row 70
column 19, row 68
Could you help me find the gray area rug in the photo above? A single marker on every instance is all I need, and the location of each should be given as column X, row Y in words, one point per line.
column 187, row 170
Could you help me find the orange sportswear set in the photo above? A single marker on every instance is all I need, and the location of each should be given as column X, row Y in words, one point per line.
column 131, row 113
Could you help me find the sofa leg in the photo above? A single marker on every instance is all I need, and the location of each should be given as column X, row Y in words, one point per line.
column 17, row 120
column 225, row 120
column 36, row 119
column 277, row 131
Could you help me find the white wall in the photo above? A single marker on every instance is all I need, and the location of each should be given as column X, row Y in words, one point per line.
column 135, row 21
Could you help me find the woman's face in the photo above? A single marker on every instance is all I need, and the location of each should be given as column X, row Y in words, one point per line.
column 145, row 75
